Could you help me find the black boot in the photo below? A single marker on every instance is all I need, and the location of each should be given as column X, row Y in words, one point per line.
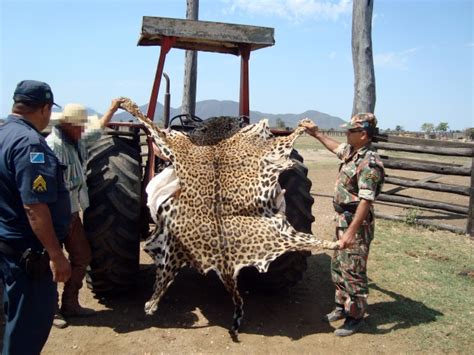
column 350, row 326
column 336, row 314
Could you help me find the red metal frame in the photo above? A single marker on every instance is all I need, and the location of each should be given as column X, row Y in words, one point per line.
column 165, row 48
column 244, row 102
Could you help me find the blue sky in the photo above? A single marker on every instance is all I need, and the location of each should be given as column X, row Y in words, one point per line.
column 86, row 50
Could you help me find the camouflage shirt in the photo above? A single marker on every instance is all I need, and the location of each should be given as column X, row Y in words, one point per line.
column 361, row 176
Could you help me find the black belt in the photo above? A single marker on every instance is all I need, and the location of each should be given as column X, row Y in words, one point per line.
column 343, row 208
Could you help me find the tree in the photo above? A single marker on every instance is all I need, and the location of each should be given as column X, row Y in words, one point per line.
column 469, row 133
column 280, row 124
column 362, row 57
column 442, row 127
column 399, row 128
column 427, row 128
column 188, row 104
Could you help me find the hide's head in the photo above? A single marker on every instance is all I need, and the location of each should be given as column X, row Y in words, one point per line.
column 215, row 129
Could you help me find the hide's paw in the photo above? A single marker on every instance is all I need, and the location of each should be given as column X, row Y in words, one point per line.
column 151, row 307
column 331, row 245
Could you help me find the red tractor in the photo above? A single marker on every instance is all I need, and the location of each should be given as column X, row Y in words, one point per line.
column 119, row 169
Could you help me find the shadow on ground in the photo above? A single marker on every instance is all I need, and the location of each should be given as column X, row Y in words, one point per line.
column 197, row 301
column 400, row 313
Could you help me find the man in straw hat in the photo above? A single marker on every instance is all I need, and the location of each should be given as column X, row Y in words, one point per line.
column 34, row 219
column 360, row 180
column 68, row 140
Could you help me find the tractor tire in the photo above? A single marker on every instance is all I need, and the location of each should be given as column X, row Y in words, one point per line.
column 288, row 269
column 112, row 221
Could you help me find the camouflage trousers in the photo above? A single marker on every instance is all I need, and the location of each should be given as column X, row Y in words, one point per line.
column 349, row 272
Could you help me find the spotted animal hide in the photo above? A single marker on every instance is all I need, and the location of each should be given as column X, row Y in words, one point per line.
column 227, row 215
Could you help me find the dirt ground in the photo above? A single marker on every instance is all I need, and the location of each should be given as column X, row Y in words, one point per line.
column 195, row 313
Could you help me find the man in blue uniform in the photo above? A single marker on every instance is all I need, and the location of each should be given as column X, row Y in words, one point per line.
column 34, row 218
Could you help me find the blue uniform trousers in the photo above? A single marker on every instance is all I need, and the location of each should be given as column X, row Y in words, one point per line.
column 29, row 309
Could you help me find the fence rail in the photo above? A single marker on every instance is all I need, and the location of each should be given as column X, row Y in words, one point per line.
column 439, row 169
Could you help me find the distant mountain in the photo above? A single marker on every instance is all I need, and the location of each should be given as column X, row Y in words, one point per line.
column 56, row 111
column 212, row 108
column 90, row 111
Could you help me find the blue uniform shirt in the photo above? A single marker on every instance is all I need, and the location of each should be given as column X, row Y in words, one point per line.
column 29, row 173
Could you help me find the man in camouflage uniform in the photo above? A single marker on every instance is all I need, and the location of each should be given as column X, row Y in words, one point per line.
column 360, row 180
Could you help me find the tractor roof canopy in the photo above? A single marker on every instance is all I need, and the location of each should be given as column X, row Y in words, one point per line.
column 207, row 36
column 204, row 35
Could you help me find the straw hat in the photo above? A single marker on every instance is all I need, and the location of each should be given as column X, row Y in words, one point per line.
column 75, row 114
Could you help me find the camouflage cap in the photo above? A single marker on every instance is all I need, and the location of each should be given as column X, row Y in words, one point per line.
column 366, row 121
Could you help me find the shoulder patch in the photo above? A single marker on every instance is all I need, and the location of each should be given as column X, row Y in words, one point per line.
column 37, row 158
column 372, row 160
column 373, row 177
column 39, row 184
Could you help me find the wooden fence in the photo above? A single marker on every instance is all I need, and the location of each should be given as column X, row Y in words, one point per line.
column 416, row 146
column 334, row 133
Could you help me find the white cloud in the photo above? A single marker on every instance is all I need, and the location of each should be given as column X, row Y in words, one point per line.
column 294, row 10
column 394, row 60
column 470, row 44
column 378, row 19
column 332, row 55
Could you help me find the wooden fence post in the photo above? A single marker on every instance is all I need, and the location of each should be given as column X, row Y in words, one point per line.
column 362, row 57
column 470, row 215
column 188, row 104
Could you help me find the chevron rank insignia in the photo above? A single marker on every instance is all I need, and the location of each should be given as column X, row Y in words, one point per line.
column 39, row 184
column 37, row 158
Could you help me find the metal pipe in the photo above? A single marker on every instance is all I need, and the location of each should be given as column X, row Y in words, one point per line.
column 166, row 103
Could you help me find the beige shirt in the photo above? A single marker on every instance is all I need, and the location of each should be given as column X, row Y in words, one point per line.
column 73, row 156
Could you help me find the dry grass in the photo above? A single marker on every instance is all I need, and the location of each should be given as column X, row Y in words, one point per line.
column 421, row 281
column 422, row 286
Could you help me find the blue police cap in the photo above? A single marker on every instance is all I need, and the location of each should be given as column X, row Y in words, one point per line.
column 34, row 92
